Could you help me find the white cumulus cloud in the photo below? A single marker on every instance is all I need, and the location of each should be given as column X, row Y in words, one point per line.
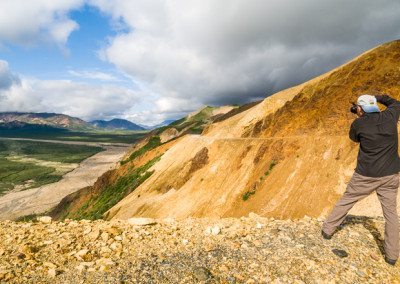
column 95, row 75
column 34, row 21
column 7, row 78
column 82, row 100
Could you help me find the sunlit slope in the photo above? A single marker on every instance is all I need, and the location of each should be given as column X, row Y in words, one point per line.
column 287, row 157
column 134, row 168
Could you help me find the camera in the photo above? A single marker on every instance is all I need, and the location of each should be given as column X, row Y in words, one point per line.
column 353, row 108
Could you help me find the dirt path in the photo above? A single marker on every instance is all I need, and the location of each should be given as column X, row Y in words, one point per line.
column 41, row 199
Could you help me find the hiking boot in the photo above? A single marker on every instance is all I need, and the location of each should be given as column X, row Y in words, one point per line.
column 325, row 235
column 390, row 261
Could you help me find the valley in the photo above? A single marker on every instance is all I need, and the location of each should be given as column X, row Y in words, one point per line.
column 27, row 164
column 36, row 175
column 49, row 133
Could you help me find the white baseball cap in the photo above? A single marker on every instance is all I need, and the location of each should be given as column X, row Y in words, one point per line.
column 368, row 103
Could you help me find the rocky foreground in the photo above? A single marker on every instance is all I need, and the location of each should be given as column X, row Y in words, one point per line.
column 245, row 250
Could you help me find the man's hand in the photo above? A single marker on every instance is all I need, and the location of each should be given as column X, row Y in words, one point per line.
column 360, row 112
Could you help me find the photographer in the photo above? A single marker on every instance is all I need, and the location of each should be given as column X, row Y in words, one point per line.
column 377, row 168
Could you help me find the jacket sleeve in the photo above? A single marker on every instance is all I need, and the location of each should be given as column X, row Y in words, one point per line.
column 393, row 105
column 353, row 133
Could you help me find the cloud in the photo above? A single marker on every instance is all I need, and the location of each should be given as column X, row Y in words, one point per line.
column 31, row 22
column 95, row 75
column 193, row 52
column 7, row 79
column 83, row 100
column 186, row 54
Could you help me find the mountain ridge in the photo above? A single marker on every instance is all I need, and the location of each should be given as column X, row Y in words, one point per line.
column 63, row 121
column 116, row 123
column 44, row 118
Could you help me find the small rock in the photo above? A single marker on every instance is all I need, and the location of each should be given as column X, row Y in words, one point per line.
column 202, row 274
column 104, row 262
column 340, row 253
column 104, row 236
column 361, row 273
column 215, row 230
column 116, row 246
column 44, row 219
column 21, row 256
column 87, row 231
column 80, row 254
column 114, row 231
column 374, row 256
column 52, row 272
column 212, row 230
column 94, row 235
column 141, row 221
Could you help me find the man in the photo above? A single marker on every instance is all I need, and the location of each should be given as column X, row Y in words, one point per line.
column 377, row 168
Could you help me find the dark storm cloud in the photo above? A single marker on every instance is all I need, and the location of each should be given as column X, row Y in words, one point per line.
column 219, row 52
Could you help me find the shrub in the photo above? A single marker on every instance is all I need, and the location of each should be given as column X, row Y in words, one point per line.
column 247, row 194
column 153, row 142
column 95, row 207
column 271, row 166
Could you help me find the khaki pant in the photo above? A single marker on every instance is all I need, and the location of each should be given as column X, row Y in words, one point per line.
column 361, row 186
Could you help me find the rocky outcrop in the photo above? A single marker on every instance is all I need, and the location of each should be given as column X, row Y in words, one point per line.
column 168, row 134
column 245, row 250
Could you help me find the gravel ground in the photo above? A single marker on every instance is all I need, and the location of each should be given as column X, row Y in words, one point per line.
column 246, row 250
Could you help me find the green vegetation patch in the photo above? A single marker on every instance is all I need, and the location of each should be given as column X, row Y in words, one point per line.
column 247, row 194
column 95, row 207
column 24, row 174
column 153, row 142
column 51, row 133
column 54, row 152
column 271, row 166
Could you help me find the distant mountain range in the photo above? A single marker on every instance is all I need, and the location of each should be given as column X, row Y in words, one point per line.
column 116, row 123
column 164, row 123
column 10, row 120
column 50, row 119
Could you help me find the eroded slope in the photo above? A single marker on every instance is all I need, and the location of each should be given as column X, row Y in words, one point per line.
column 286, row 157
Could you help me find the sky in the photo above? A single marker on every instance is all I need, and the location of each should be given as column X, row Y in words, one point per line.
column 152, row 60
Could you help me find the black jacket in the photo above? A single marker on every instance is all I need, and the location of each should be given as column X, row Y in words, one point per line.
column 377, row 134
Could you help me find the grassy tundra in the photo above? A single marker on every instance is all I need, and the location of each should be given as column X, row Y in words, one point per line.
column 29, row 164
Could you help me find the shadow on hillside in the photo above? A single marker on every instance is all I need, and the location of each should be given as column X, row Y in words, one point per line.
column 368, row 224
